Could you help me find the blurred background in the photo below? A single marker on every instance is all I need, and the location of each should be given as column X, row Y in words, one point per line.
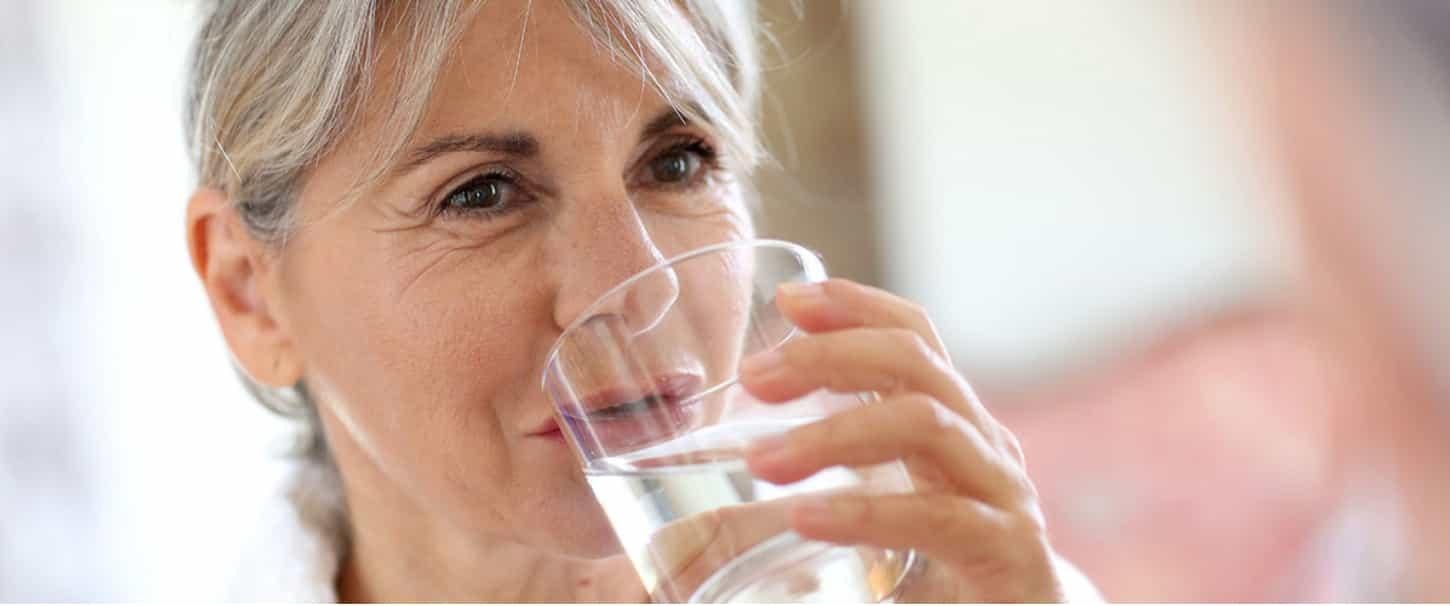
column 1193, row 253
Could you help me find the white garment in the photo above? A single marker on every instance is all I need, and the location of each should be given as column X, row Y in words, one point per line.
column 295, row 556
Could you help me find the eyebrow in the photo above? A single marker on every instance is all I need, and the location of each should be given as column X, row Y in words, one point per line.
column 520, row 144
column 512, row 144
column 666, row 120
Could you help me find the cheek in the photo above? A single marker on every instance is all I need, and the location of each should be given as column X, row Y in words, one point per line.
column 717, row 289
column 719, row 215
column 715, row 305
column 729, row 309
column 427, row 356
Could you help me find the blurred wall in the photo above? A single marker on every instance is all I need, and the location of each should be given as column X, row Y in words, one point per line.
column 1080, row 195
column 47, row 491
column 1057, row 181
column 818, row 190
column 169, row 456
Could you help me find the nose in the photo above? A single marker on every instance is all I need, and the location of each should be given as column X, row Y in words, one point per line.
column 613, row 245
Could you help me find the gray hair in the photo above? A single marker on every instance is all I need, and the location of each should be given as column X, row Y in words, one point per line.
column 275, row 84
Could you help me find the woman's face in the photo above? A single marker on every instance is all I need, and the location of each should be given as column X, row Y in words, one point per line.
column 542, row 174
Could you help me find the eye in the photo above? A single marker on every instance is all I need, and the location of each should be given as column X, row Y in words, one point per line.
column 489, row 194
column 675, row 166
column 681, row 164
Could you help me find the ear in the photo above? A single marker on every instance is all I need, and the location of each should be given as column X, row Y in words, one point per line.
column 235, row 269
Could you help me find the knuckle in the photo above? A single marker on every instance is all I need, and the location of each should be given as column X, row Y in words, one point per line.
column 1028, row 491
column 1028, row 525
column 1001, row 439
column 1022, row 544
column 916, row 313
column 882, row 381
column 923, row 422
column 909, row 343
column 919, row 411
column 1014, row 447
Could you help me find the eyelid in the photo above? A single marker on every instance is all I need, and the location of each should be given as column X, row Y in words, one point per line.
column 671, row 141
column 438, row 206
column 710, row 160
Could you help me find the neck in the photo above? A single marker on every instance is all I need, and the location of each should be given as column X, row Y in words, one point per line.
column 400, row 552
column 499, row 571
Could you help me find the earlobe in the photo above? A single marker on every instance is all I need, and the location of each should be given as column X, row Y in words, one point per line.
column 232, row 267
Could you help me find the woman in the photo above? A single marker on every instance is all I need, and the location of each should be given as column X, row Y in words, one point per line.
column 399, row 206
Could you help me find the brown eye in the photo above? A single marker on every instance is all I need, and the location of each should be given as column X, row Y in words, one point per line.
column 487, row 195
column 478, row 194
column 675, row 166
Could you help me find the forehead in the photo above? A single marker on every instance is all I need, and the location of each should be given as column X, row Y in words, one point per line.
column 531, row 64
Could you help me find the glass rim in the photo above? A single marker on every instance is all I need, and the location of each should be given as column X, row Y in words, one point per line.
column 584, row 316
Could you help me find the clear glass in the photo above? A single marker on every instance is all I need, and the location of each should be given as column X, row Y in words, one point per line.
column 644, row 385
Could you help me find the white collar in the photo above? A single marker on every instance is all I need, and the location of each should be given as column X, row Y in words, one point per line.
column 295, row 553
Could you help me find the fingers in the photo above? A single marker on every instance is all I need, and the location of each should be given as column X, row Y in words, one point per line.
column 850, row 360
column 688, row 551
column 978, row 513
column 1006, row 554
column 864, row 339
column 838, row 304
column 938, row 444
column 885, row 361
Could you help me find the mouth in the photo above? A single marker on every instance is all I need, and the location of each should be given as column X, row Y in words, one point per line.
column 627, row 401
column 667, row 398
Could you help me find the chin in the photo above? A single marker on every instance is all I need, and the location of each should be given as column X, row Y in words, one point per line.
column 594, row 544
column 573, row 525
column 582, row 539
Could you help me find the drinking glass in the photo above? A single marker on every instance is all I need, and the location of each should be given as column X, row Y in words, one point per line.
column 645, row 388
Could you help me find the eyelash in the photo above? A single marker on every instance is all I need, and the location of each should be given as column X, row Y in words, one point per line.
column 709, row 162
column 709, row 159
column 496, row 174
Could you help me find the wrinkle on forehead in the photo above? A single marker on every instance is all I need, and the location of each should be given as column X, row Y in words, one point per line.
column 610, row 114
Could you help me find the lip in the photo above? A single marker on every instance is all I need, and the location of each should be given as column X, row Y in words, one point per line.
column 673, row 389
column 552, row 433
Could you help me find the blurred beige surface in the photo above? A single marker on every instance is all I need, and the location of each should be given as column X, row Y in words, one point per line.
column 819, row 189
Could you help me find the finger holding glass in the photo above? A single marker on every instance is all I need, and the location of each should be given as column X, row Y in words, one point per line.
column 646, row 387
column 974, row 512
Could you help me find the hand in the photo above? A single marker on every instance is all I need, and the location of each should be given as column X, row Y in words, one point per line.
column 974, row 514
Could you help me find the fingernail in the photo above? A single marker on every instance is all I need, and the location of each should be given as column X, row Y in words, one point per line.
column 767, row 447
column 762, row 364
column 811, row 293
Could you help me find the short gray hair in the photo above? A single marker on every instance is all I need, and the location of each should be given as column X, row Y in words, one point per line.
column 275, row 84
